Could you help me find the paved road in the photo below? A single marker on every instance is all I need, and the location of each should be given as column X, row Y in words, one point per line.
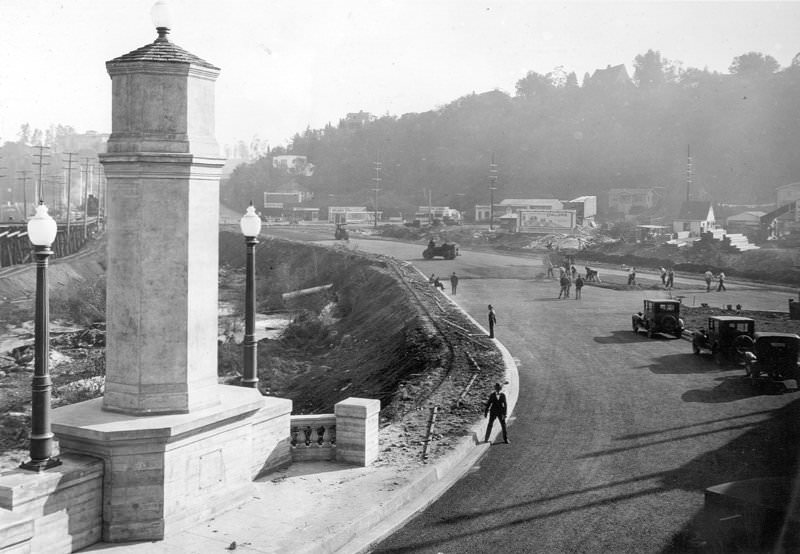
column 614, row 438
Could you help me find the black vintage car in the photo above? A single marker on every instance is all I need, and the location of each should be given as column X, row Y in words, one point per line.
column 775, row 355
column 448, row 251
column 659, row 316
column 726, row 337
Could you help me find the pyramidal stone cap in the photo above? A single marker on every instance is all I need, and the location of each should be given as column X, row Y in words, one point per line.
column 162, row 50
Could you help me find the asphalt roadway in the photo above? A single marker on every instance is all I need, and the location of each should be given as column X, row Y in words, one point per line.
column 615, row 436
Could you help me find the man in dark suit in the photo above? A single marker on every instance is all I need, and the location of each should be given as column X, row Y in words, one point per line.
column 496, row 409
column 492, row 321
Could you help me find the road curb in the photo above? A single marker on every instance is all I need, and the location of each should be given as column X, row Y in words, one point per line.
column 361, row 535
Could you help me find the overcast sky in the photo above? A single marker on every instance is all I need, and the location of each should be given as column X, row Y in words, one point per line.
column 289, row 64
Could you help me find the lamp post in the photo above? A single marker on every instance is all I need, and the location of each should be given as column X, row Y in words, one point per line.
column 251, row 227
column 42, row 231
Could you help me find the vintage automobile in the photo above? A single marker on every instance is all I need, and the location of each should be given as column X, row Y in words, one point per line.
column 448, row 251
column 726, row 337
column 659, row 316
column 775, row 355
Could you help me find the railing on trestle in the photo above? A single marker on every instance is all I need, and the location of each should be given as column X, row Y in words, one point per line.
column 15, row 247
column 313, row 437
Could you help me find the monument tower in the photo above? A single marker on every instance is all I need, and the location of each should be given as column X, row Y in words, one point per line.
column 177, row 446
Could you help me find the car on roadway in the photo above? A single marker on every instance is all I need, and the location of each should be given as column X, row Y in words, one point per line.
column 726, row 337
column 774, row 354
column 659, row 316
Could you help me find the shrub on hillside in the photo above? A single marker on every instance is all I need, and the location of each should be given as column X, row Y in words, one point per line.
column 81, row 302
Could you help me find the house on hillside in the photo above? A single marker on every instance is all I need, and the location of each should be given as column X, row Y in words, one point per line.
column 585, row 209
column 696, row 217
column 611, row 76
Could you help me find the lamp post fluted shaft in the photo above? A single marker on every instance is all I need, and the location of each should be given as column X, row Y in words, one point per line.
column 41, row 444
column 250, row 377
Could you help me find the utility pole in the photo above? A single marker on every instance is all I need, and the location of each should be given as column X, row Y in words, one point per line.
column 86, row 169
column 492, row 187
column 39, row 197
column 24, row 180
column 377, row 180
column 688, row 170
column 69, row 191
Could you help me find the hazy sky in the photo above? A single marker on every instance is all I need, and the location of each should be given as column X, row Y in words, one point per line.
column 288, row 64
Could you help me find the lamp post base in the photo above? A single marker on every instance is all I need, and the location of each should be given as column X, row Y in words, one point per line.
column 40, row 465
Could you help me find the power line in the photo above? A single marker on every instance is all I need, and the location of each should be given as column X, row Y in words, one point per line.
column 24, row 179
column 69, row 190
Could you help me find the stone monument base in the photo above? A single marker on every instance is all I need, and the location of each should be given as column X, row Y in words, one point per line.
column 164, row 473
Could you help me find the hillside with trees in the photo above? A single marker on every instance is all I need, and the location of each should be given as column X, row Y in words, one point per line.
column 557, row 138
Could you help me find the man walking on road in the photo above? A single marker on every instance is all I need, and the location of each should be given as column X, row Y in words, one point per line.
column 578, row 287
column 670, row 278
column 453, row 283
column 708, row 276
column 496, row 409
column 492, row 321
column 721, row 286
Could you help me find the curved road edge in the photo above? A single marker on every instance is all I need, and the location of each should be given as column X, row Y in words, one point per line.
column 434, row 481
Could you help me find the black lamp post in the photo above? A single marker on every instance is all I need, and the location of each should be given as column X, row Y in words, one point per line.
column 42, row 231
column 251, row 227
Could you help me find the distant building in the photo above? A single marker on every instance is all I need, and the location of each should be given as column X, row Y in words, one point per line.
column 611, row 76
column 624, row 200
column 294, row 164
column 426, row 214
column 352, row 214
column 288, row 204
column 585, row 208
column 787, row 193
column 353, row 121
column 743, row 222
column 514, row 205
column 696, row 217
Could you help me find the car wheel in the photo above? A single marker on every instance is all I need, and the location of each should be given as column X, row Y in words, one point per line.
column 719, row 358
column 695, row 349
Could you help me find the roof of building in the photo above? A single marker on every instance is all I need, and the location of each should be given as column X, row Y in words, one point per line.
column 750, row 214
column 694, row 210
column 582, row 198
column 528, row 201
column 162, row 50
column 611, row 75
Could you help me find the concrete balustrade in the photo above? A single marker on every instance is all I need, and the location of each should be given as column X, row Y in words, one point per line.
column 313, row 438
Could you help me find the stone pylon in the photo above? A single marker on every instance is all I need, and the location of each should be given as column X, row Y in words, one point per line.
column 178, row 447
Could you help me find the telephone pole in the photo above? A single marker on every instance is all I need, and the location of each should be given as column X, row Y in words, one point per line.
column 69, row 191
column 85, row 170
column 492, row 187
column 41, row 163
column 377, row 180
column 24, row 178
column 688, row 171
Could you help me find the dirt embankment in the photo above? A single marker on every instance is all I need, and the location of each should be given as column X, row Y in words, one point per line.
column 376, row 333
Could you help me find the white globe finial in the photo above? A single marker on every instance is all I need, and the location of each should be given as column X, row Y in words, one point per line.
column 161, row 16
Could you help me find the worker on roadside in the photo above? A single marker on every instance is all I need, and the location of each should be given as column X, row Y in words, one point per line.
column 496, row 408
column 453, row 283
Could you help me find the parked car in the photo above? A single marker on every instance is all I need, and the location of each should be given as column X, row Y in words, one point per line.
column 659, row 316
column 726, row 337
column 774, row 354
